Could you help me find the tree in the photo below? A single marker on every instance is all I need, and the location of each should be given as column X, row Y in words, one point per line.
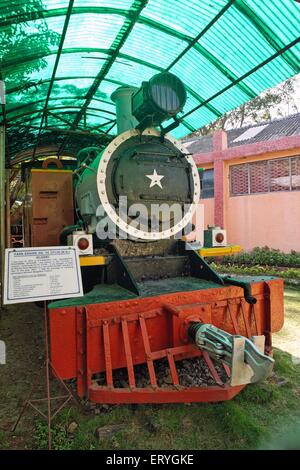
column 24, row 33
column 23, row 39
column 257, row 110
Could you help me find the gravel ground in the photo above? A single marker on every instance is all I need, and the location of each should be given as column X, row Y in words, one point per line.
column 191, row 372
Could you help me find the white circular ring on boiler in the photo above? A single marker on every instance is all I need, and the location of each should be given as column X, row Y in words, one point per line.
column 114, row 216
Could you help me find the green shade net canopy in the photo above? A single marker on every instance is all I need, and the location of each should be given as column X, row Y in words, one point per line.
column 61, row 61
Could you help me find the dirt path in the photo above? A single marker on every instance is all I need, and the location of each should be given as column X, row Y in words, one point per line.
column 21, row 327
column 288, row 339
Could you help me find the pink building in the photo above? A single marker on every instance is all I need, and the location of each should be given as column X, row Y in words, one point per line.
column 251, row 183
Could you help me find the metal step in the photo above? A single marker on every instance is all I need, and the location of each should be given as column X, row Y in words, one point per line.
column 158, row 267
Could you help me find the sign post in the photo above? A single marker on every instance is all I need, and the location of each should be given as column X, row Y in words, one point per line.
column 2, row 203
column 2, row 185
column 42, row 274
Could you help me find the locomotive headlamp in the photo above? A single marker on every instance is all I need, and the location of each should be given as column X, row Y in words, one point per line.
column 161, row 98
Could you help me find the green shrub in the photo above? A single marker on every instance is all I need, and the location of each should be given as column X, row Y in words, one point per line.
column 264, row 256
column 60, row 440
column 290, row 273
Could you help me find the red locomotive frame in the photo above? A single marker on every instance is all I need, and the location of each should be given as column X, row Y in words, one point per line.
column 121, row 334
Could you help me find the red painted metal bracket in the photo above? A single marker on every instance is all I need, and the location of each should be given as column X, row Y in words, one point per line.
column 93, row 342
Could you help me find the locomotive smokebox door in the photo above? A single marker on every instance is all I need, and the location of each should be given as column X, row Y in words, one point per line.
column 145, row 173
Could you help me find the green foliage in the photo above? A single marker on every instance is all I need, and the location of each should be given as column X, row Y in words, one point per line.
column 60, row 440
column 237, row 423
column 287, row 440
column 3, row 441
column 290, row 273
column 257, row 110
column 264, row 256
column 249, row 421
column 262, row 261
column 284, row 365
column 19, row 41
column 261, row 394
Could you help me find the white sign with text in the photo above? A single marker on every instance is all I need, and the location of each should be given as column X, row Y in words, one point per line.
column 43, row 273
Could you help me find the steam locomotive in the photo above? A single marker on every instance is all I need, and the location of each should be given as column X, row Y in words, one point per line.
column 142, row 165
column 150, row 299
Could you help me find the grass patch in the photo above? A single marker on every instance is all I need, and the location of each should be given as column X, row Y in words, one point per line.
column 288, row 339
column 3, row 441
column 248, row 422
column 264, row 416
column 59, row 437
column 290, row 274
column 264, row 256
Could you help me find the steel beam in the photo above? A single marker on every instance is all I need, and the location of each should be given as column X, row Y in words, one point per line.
column 44, row 109
column 7, row 209
column 51, row 13
column 59, row 118
column 57, row 79
column 199, row 36
column 146, row 64
column 133, row 15
column 2, row 206
column 272, row 39
column 60, row 48
column 152, row 24
column 73, row 131
column 45, row 151
column 39, row 111
column 247, row 74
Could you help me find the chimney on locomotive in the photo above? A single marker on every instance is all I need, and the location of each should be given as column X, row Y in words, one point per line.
column 157, row 100
column 122, row 96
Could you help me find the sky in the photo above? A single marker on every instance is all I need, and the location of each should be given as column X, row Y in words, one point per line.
column 285, row 109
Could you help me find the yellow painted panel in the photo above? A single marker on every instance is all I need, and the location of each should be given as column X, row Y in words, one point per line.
column 92, row 260
column 44, row 170
column 219, row 251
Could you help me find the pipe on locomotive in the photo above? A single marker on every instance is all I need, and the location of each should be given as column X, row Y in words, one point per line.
column 122, row 97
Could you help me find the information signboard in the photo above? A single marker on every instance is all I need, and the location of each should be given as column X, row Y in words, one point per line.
column 43, row 273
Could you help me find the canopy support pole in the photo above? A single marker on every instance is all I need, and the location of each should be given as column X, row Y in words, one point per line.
column 2, row 206
column 7, row 209
column 60, row 48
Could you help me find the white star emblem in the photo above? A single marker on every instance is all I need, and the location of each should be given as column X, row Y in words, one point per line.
column 155, row 179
